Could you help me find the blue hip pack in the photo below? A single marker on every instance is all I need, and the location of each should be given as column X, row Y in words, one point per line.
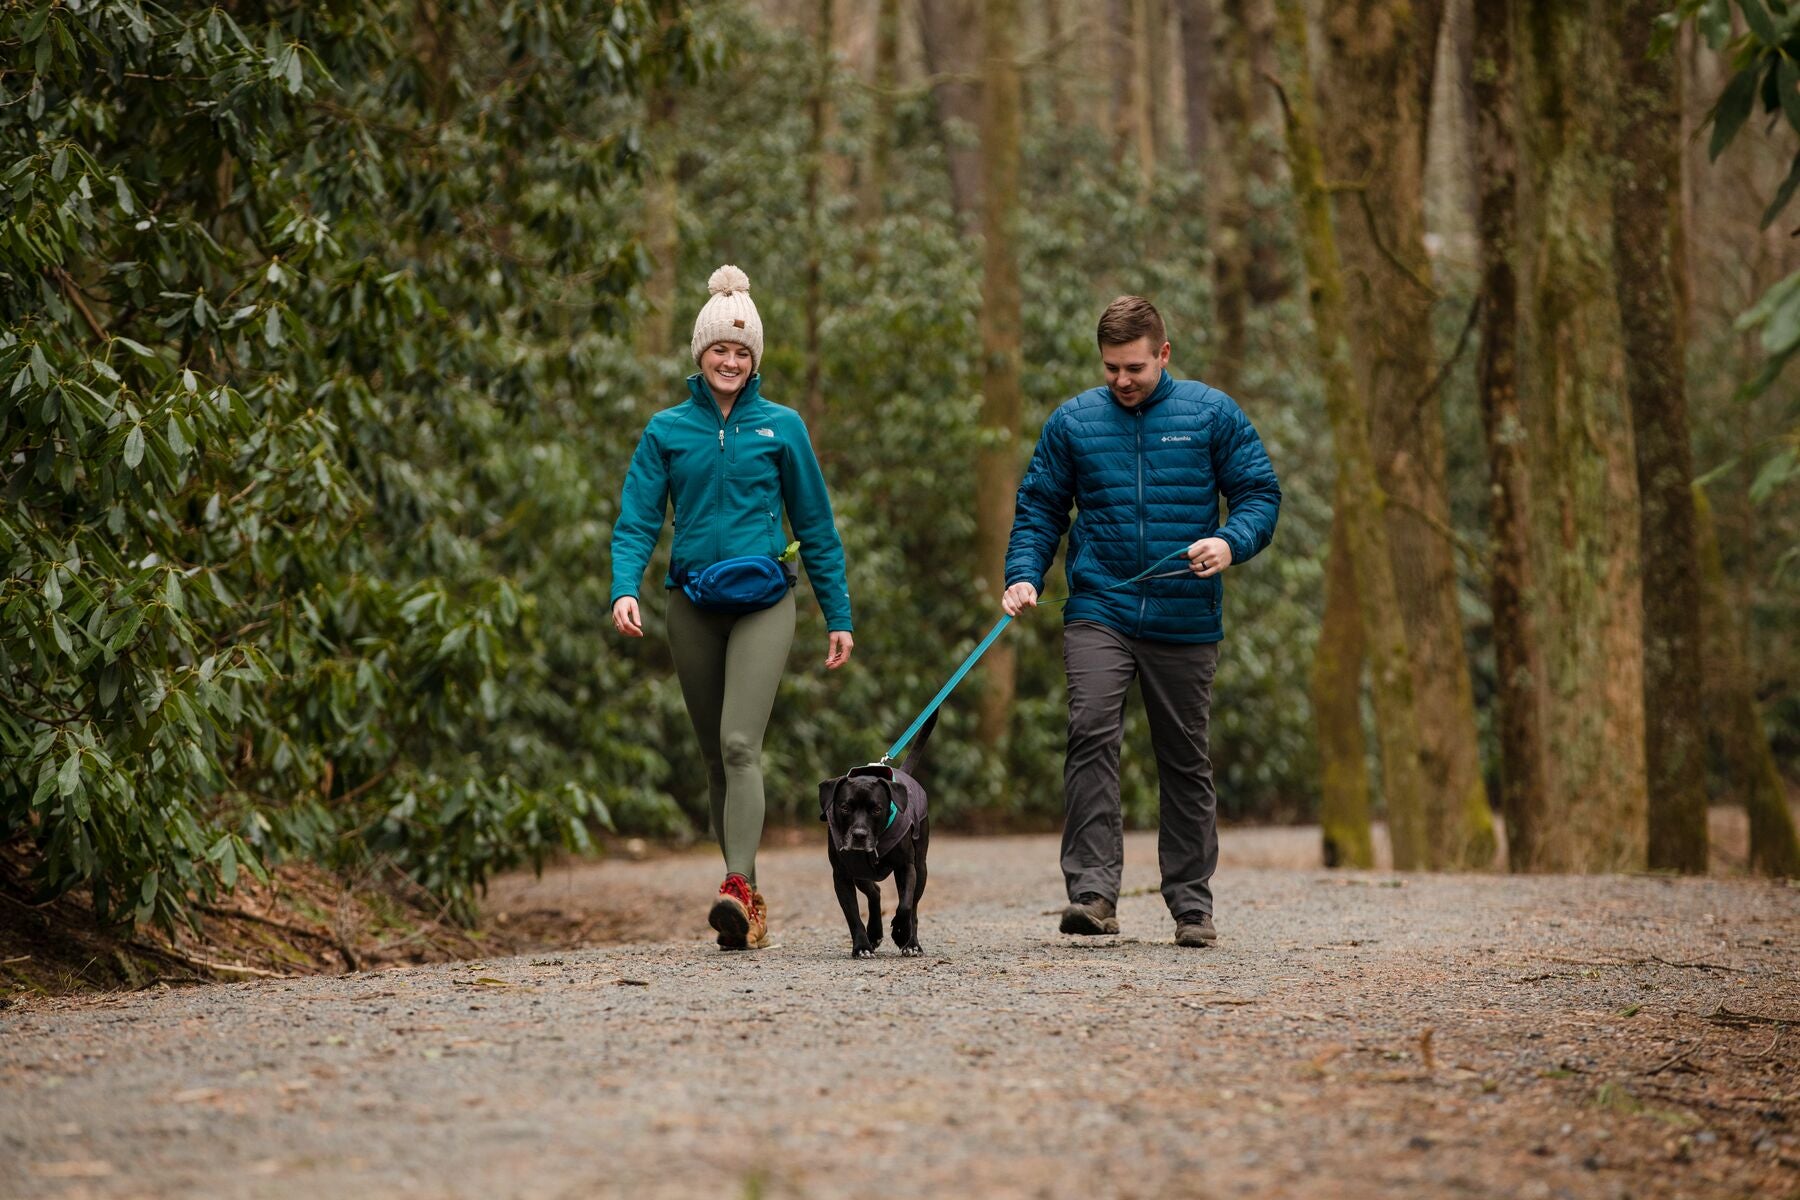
column 738, row 585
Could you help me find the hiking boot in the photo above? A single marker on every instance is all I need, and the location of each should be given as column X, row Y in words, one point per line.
column 1195, row 929
column 1090, row 915
column 732, row 911
column 758, row 935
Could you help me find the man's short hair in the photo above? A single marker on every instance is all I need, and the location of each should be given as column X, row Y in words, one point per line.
column 1129, row 318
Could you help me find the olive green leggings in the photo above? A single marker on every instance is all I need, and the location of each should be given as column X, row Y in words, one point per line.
column 729, row 667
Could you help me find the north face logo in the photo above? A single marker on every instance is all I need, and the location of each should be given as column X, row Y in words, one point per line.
column 1176, row 437
column 765, row 433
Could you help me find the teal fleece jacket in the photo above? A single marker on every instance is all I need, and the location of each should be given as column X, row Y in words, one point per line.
column 730, row 479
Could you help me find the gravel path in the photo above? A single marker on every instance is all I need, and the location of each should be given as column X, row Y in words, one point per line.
column 1353, row 1034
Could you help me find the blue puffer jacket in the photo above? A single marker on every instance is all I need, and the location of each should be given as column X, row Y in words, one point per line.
column 1147, row 482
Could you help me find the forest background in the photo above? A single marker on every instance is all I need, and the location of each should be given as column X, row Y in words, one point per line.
column 329, row 329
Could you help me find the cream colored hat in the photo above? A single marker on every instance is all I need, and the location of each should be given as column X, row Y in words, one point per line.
column 730, row 316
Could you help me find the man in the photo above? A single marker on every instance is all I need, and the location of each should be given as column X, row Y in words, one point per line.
column 1144, row 460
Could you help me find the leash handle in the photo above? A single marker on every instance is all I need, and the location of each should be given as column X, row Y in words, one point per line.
column 992, row 634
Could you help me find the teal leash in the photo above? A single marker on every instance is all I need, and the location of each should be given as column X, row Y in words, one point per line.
column 994, row 634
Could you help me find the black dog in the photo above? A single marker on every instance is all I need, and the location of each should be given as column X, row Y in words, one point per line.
column 875, row 822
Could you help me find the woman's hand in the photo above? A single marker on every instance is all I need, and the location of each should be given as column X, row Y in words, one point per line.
column 626, row 618
column 839, row 654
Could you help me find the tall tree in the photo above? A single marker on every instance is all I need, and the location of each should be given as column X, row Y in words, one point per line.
column 1588, row 606
column 1749, row 764
column 1381, row 55
column 1336, row 687
column 1648, row 234
column 998, row 467
column 950, row 58
column 818, row 119
column 1360, row 502
column 655, row 326
column 1229, row 213
column 1062, row 106
column 1197, row 31
column 881, row 112
column 1517, row 654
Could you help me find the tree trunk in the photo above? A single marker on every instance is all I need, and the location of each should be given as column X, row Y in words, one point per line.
column 1749, row 763
column 1062, row 107
column 1121, row 42
column 1337, row 709
column 873, row 199
column 1589, row 607
column 1229, row 217
column 1267, row 276
column 950, row 56
column 819, row 113
column 1197, row 76
column 1381, row 55
column 1141, row 83
column 997, row 465
column 1518, row 658
column 1648, row 235
column 661, row 228
column 1361, row 502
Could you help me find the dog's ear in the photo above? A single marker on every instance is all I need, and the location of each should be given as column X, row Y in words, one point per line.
column 828, row 794
column 896, row 796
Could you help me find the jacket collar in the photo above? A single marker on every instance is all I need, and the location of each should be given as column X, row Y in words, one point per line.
column 1163, row 387
column 703, row 398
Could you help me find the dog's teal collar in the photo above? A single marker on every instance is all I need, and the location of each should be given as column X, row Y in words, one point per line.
column 893, row 812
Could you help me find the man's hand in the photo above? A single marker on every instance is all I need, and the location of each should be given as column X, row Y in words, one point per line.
column 626, row 618
column 1208, row 556
column 839, row 653
column 1018, row 598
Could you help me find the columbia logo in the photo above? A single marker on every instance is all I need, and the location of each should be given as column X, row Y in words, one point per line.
column 765, row 433
column 1177, row 437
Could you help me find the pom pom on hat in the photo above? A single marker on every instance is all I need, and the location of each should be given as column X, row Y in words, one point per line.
column 726, row 280
column 729, row 315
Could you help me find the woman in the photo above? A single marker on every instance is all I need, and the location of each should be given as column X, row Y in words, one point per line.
column 731, row 461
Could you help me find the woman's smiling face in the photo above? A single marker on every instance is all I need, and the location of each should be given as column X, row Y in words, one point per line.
column 726, row 366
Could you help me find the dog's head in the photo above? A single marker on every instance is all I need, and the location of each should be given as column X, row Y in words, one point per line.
column 857, row 807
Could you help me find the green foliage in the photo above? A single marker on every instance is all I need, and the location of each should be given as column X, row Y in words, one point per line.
column 1765, row 61
column 292, row 317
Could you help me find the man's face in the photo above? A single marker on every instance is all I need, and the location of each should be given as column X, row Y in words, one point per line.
column 1133, row 369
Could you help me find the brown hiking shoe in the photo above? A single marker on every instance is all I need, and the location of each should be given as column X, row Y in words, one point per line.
column 1195, row 929
column 758, row 935
column 731, row 913
column 1090, row 916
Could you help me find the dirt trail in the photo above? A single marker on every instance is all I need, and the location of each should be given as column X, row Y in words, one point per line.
column 1354, row 1034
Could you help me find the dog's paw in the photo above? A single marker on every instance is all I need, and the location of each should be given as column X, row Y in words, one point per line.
column 863, row 952
column 874, row 939
column 912, row 951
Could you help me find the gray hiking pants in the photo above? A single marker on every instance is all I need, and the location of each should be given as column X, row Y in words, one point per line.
column 1177, row 686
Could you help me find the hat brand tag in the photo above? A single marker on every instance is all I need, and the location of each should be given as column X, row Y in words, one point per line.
column 737, row 323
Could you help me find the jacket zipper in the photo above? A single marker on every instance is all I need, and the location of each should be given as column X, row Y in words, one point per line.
column 1143, row 554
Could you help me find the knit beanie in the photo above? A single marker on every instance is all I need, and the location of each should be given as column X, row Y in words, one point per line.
column 730, row 316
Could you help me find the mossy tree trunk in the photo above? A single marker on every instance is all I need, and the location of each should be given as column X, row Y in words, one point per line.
column 1518, row 658
column 1588, row 604
column 1382, row 55
column 1337, row 710
column 1649, row 236
column 1228, row 201
column 1361, row 502
column 998, row 467
column 1748, row 761
column 952, row 58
